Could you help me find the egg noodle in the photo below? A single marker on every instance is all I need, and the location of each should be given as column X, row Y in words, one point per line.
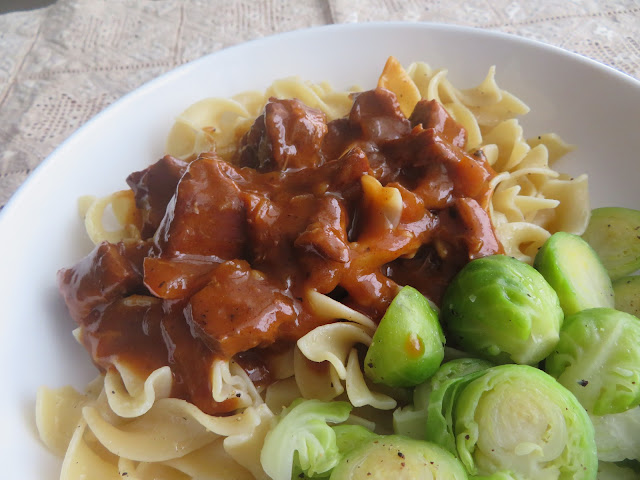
column 124, row 426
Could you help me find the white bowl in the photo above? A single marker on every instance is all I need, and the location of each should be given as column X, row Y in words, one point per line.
column 588, row 104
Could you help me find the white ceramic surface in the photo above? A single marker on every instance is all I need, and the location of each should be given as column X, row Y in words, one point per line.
column 591, row 106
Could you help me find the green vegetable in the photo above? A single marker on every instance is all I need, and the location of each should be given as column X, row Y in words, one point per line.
column 517, row 419
column 503, row 310
column 627, row 294
column 614, row 233
column 575, row 272
column 350, row 437
column 443, row 387
column 302, row 440
column 495, row 476
column 618, row 435
column 411, row 421
column 633, row 465
column 453, row 370
column 396, row 457
column 614, row 471
column 408, row 345
column 598, row 359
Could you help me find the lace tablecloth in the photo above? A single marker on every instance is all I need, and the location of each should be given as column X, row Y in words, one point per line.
column 62, row 64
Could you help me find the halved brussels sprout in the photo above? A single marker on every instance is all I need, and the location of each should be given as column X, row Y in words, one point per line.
column 503, row 310
column 302, row 440
column 415, row 420
column 516, row 419
column 614, row 471
column 442, row 389
column 618, row 435
column 350, row 437
column 627, row 294
column 613, row 234
column 575, row 272
column 598, row 359
column 453, row 370
column 396, row 457
column 410, row 421
column 408, row 345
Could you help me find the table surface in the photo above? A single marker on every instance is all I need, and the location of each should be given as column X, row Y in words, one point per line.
column 62, row 64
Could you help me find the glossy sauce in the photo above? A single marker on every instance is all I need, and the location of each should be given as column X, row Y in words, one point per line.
column 233, row 248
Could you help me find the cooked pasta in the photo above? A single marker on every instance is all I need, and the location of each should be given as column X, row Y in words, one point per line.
column 128, row 425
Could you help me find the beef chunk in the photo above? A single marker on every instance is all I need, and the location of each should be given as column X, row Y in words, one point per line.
column 109, row 272
column 431, row 114
column 378, row 116
column 176, row 278
column 206, row 216
column 425, row 150
column 153, row 188
column 240, row 308
column 479, row 236
column 288, row 135
column 326, row 235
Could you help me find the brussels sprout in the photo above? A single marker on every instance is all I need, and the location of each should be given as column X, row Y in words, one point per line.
column 408, row 345
column 627, row 294
column 517, row 419
column 442, row 389
column 575, row 272
column 618, row 435
column 495, row 476
column 613, row 234
column 412, row 420
column 350, row 437
column 503, row 310
column 614, row 471
column 598, row 359
column 302, row 441
column 399, row 458
column 453, row 370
